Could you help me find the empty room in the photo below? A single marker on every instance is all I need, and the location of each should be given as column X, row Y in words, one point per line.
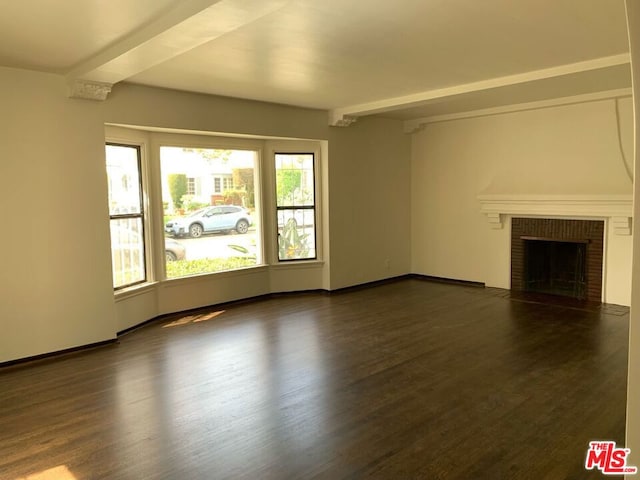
column 273, row 239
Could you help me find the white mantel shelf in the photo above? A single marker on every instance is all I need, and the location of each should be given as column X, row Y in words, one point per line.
column 616, row 208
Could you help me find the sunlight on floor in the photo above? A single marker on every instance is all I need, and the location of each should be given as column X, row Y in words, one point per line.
column 193, row 319
column 208, row 316
column 56, row 473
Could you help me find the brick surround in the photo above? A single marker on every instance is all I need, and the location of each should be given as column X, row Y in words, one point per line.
column 590, row 231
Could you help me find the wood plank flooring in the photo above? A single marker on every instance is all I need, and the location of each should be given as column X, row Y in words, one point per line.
column 408, row 380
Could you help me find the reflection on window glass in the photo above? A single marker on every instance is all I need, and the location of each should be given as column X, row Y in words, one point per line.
column 124, row 180
column 295, row 205
column 126, row 215
column 218, row 225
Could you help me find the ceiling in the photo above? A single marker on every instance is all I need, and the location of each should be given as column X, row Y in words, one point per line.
column 406, row 59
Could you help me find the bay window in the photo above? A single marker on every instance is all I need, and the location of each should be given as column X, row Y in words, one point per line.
column 204, row 196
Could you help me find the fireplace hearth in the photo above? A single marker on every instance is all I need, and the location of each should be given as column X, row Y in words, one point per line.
column 557, row 257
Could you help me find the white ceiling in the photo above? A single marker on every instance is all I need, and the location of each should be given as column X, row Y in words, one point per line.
column 402, row 58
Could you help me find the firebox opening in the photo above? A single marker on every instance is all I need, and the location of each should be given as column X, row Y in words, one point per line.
column 555, row 267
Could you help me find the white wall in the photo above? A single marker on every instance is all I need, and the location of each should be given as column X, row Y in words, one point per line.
column 55, row 286
column 571, row 149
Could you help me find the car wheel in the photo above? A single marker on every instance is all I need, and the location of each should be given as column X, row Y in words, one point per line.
column 170, row 256
column 242, row 226
column 195, row 230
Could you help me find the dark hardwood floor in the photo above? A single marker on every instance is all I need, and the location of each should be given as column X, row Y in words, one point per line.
column 409, row 380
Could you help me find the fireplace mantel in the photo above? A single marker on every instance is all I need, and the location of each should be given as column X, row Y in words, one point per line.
column 615, row 208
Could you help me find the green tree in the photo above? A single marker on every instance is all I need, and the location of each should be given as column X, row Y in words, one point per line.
column 177, row 188
column 287, row 181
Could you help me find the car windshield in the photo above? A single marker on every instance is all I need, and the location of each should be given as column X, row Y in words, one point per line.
column 197, row 213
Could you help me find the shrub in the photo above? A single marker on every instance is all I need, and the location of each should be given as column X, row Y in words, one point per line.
column 183, row 268
column 191, row 205
column 292, row 243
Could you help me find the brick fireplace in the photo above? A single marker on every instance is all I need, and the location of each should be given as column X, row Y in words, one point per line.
column 607, row 274
column 556, row 256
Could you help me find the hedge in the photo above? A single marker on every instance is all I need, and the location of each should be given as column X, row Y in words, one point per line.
column 183, row 268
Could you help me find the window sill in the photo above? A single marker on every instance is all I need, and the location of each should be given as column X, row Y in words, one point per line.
column 134, row 291
column 145, row 288
column 296, row 265
column 240, row 272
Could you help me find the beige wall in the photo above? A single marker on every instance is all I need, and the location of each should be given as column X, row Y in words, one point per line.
column 156, row 107
column 55, row 285
column 56, row 289
column 370, row 202
column 571, row 149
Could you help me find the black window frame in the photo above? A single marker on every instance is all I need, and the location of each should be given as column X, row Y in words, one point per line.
column 140, row 215
column 304, row 207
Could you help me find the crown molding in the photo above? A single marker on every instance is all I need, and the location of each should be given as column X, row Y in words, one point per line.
column 417, row 124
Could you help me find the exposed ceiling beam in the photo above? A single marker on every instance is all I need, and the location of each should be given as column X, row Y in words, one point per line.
column 188, row 24
column 345, row 115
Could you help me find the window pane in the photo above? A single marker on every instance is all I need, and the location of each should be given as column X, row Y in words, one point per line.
column 126, row 213
column 296, row 234
column 295, row 205
column 127, row 251
column 213, row 238
column 123, row 172
column 294, row 180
